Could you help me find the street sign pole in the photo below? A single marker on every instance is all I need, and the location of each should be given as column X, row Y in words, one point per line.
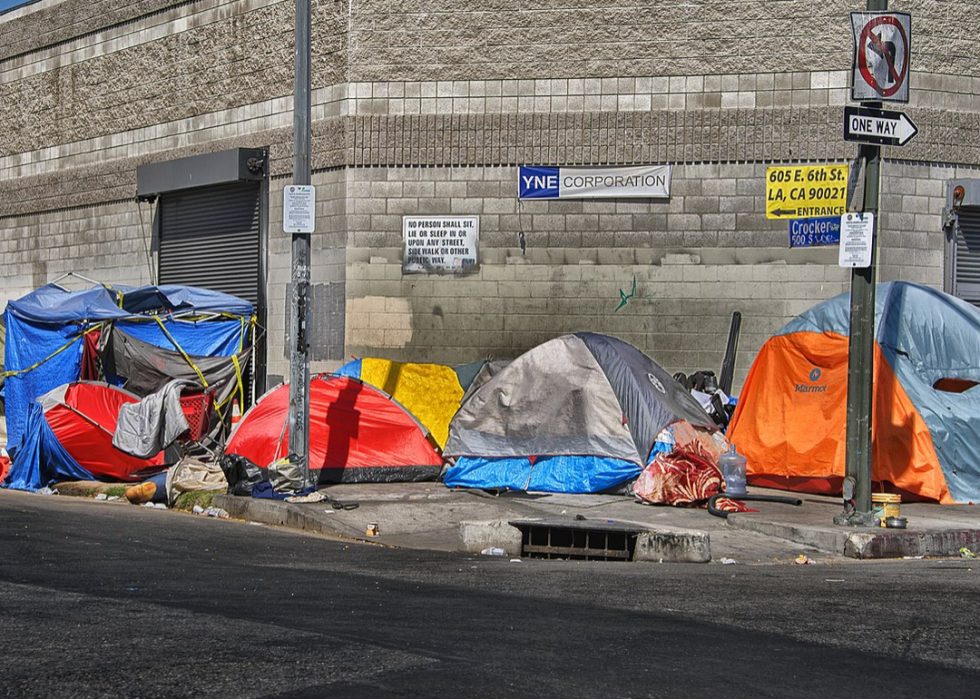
column 860, row 352
column 299, row 357
column 860, row 363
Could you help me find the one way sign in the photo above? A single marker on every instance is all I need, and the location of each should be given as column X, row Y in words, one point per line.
column 877, row 127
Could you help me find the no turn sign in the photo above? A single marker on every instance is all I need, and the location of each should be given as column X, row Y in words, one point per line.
column 882, row 45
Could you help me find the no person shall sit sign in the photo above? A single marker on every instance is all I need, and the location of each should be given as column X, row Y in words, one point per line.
column 882, row 45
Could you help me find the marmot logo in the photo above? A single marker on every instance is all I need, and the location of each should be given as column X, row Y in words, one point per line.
column 803, row 388
column 815, row 375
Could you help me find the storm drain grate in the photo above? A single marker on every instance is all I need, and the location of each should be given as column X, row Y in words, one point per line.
column 577, row 540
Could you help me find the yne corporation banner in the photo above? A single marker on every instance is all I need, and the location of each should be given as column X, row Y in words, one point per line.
column 441, row 244
column 645, row 181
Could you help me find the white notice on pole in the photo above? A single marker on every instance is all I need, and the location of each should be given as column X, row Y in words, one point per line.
column 856, row 240
column 298, row 208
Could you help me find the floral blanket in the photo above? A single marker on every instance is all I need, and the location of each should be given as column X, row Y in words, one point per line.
column 687, row 475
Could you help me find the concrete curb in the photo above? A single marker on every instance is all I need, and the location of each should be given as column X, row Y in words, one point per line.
column 477, row 536
column 870, row 543
column 673, row 547
column 898, row 544
column 284, row 514
column 660, row 545
column 826, row 539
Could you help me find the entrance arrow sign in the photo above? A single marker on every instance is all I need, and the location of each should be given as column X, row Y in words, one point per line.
column 877, row 127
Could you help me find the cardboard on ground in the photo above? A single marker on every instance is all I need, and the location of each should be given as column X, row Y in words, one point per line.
column 806, row 191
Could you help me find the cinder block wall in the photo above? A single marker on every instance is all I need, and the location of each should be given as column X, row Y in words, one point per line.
column 113, row 243
column 429, row 107
column 698, row 257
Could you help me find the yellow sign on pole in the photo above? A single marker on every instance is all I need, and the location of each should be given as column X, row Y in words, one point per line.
column 806, row 191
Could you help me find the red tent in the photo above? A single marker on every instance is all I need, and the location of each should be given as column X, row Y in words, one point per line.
column 83, row 418
column 358, row 434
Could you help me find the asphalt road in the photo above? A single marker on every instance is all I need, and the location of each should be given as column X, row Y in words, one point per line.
column 109, row 600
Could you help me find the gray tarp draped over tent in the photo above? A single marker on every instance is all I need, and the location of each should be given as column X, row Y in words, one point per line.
column 149, row 368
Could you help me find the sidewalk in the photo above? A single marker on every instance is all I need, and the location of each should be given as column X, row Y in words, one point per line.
column 431, row 516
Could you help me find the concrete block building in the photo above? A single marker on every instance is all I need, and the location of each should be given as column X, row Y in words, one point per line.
column 150, row 141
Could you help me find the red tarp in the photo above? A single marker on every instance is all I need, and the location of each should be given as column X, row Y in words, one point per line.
column 357, row 434
column 84, row 420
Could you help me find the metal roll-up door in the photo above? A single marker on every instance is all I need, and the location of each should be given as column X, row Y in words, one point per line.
column 210, row 238
column 966, row 256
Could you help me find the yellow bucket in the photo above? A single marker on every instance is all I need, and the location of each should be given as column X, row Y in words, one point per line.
column 885, row 505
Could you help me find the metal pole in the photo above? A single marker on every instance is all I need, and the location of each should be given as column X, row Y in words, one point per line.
column 299, row 356
column 860, row 352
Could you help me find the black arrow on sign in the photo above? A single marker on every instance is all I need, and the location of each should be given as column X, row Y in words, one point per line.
column 783, row 212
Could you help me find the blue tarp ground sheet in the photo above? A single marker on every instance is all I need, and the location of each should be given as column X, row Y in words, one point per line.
column 40, row 460
column 550, row 474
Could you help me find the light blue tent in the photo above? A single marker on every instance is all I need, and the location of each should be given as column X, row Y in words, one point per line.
column 578, row 414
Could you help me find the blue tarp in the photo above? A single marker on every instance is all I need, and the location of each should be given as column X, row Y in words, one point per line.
column 351, row 369
column 54, row 304
column 28, row 343
column 40, row 460
column 549, row 474
column 51, row 317
column 215, row 338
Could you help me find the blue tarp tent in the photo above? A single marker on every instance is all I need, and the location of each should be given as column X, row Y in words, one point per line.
column 45, row 330
column 41, row 460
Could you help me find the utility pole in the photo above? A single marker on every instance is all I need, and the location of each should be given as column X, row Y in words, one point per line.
column 860, row 354
column 299, row 354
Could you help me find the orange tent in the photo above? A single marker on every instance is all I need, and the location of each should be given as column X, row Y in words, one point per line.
column 791, row 418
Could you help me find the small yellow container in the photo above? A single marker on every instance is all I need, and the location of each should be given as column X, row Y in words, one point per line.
column 885, row 505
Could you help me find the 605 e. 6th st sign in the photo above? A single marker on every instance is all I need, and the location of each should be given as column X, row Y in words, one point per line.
column 806, row 191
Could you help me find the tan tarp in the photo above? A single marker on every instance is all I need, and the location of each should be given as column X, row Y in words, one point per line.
column 191, row 475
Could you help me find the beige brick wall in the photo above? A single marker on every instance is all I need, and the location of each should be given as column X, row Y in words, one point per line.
column 698, row 257
column 110, row 243
column 184, row 63
column 427, row 107
column 913, row 243
column 680, row 313
column 487, row 38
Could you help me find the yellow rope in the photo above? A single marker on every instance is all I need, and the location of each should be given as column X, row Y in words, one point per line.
column 190, row 362
column 241, row 386
column 8, row 374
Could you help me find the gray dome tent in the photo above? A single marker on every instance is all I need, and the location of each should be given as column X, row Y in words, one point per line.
column 579, row 413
